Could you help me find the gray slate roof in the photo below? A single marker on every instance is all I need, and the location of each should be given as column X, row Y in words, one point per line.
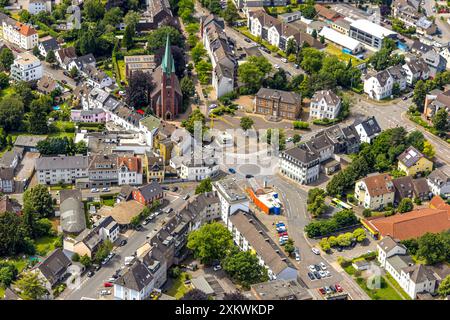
column 151, row 190
column 136, row 278
column 54, row 266
column 69, row 162
column 73, row 219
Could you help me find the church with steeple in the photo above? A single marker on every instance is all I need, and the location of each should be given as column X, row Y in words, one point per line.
column 166, row 97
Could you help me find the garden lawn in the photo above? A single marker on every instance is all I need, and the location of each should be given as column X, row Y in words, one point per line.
column 2, row 292
column 121, row 66
column 335, row 51
column 45, row 245
column 397, row 286
column 178, row 288
column 386, row 292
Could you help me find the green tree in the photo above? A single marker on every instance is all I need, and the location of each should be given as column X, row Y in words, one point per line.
column 31, row 286
column 198, row 52
column 127, row 40
column 50, row 58
column 138, row 89
column 344, row 239
column 428, row 149
column 6, row 59
column 296, row 138
column 195, row 294
column 325, row 244
column 73, row 72
column 246, row 123
column 23, row 91
column 289, row 247
column 211, row 242
column 86, row 261
column 406, row 205
column 93, row 10
column 11, row 113
column 433, row 248
column 12, row 234
column 367, row 213
column 359, row 234
column 440, row 120
column 281, row 138
column 230, row 14
column 291, row 47
column 195, row 116
column 204, row 186
column 253, row 71
column 187, row 87
column 316, row 202
column 157, row 38
column 444, row 287
column 103, row 251
column 37, row 119
column 113, row 16
column 244, row 268
column 38, row 201
column 312, row 60
column 8, row 273
column 420, row 92
column 132, row 18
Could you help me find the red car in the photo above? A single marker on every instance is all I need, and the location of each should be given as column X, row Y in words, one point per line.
column 107, row 284
column 338, row 287
column 281, row 234
column 322, row 291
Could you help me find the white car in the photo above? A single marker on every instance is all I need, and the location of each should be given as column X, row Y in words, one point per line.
column 276, row 66
column 105, row 292
column 312, row 268
column 94, row 190
column 315, row 251
column 105, row 189
column 323, row 266
column 322, row 274
column 327, row 273
column 297, row 256
column 284, row 60
column 217, row 268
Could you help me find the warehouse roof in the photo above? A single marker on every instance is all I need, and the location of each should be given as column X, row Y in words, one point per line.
column 339, row 38
column 372, row 28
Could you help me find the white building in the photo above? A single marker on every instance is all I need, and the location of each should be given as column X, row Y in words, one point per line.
column 249, row 235
column 379, row 86
column 342, row 40
column 18, row 33
column 367, row 129
column 130, row 171
column 37, row 6
column 108, row 228
column 413, row 278
column 231, row 197
column 370, row 34
column 416, row 70
column 300, row 165
column 66, row 169
column 324, row 104
column 201, row 169
column 439, row 183
column 136, row 284
column 375, row 191
column 26, row 67
column 46, row 45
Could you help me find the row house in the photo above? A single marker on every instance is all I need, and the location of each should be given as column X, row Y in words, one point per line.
column 97, row 78
column 47, row 44
column 102, row 170
column 198, row 169
column 224, row 64
column 18, row 33
column 416, row 69
column 130, row 170
column 407, row 187
column 96, row 115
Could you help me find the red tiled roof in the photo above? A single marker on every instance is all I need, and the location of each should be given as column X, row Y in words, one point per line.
column 326, row 13
column 438, row 203
column 132, row 163
column 25, row 30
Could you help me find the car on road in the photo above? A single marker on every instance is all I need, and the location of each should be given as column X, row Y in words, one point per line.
column 338, row 287
column 323, row 266
column 97, row 267
column 339, row 249
column 112, row 279
column 276, row 66
column 174, row 189
column 105, row 189
column 121, row 93
column 232, row 170
column 90, row 273
column 311, row 276
column 123, row 242
column 217, row 268
column 248, row 176
column 108, row 285
column 168, row 210
column 297, row 256
column 186, row 196
column 105, row 261
column 94, row 190
column 289, row 139
column 315, row 251
column 247, row 40
column 296, row 66
column 105, row 292
column 284, row 60
column 138, row 227
column 146, row 221
column 322, row 291
column 265, row 50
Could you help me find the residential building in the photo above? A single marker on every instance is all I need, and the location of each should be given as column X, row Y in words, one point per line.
column 130, row 170
column 300, row 164
column 221, row 55
column 29, row 143
column 388, row 247
column 435, row 62
column 404, row 188
column 12, row 158
column 278, row 104
column 102, row 170
column 96, row 115
column 65, row 56
column 135, row 284
column 193, row 169
column 157, row 14
column 326, row 14
column 324, row 104
column 421, row 189
column 375, row 191
column 82, row 64
column 8, row 205
column 345, row 140
column 445, row 53
column 205, row 205
column 155, row 168
column 46, row 45
column 148, row 193
column 166, row 97
column 47, row 85
column 26, row 67
column 66, row 169
column 439, row 183
column 290, row 16
column 419, row 47
column 7, row 184
column 108, row 228
column 38, row 6
column 232, row 198
column 367, row 129
column 416, row 69
column 370, row 34
column 434, row 101
column 413, row 163
column 53, row 269
column 410, row 15
column 144, row 63
column 149, row 127
column 379, row 86
column 280, row 290
column 97, row 78
column 249, row 235
column 18, row 33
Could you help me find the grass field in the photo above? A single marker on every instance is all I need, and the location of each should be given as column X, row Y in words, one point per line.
column 45, row 245
column 385, row 292
column 333, row 50
column 397, row 286
column 178, row 289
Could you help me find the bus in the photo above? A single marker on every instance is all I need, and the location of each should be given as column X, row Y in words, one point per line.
column 340, row 204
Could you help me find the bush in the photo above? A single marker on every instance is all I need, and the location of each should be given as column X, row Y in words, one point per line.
column 300, row 125
column 367, row 213
column 75, row 257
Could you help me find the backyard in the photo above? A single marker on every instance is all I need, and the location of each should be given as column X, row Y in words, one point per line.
column 178, row 288
column 45, row 245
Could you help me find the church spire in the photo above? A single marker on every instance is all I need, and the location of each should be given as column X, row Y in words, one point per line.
column 168, row 65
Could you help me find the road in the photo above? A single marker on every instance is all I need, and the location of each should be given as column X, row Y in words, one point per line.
column 90, row 287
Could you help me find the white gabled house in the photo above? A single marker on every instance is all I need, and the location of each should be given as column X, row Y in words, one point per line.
column 416, row 70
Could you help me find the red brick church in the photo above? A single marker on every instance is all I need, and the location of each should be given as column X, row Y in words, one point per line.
column 166, row 97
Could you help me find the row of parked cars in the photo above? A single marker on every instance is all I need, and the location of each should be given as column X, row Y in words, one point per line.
column 318, row 271
column 282, row 233
column 331, row 289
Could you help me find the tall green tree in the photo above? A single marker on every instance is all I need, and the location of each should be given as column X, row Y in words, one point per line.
column 6, row 59
column 406, row 205
column 38, row 201
column 127, row 40
column 440, row 120
column 244, row 268
column 38, row 116
column 31, row 286
column 93, row 10
column 246, row 123
column 11, row 113
column 204, row 186
column 433, row 248
column 187, row 87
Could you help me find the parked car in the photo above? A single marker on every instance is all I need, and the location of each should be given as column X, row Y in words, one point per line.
column 165, row 188
column 232, row 170
column 276, row 66
column 112, row 280
column 284, row 60
column 248, row 176
column 332, row 288
column 105, row 189
column 90, row 274
column 338, row 287
column 105, row 292
column 282, row 234
column 175, row 189
column 217, row 268
column 94, row 190
column 317, row 267
column 311, row 276
column 64, row 81
column 339, row 249
column 123, row 242
column 323, row 266
column 328, row 290
column 322, row 274
column 317, row 275
column 312, row 267
column 138, row 227
column 327, row 273
column 108, row 285
column 297, row 256
column 146, row 222
column 315, row 251
column 322, row 291
column 97, row 267
column 186, row 196
column 247, row 40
